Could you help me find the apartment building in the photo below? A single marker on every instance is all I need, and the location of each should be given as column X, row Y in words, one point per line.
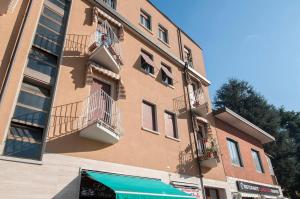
column 248, row 168
column 103, row 99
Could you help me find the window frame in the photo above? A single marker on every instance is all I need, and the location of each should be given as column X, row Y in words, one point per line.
column 154, row 116
column 187, row 49
column 146, row 16
column 165, row 31
column 164, row 77
column 144, row 63
column 241, row 164
column 175, row 125
column 253, row 151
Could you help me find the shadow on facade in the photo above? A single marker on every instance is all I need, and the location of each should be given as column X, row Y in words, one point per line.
column 70, row 191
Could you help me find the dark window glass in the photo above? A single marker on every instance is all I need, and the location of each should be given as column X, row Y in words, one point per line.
column 41, row 67
column 110, row 3
column 24, row 142
column 49, row 35
column 53, row 15
column 43, row 56
column 59, row 3
column 34, row 101
column 51, row 24
column 26, row 86
column 30, row 116
column 44, row 43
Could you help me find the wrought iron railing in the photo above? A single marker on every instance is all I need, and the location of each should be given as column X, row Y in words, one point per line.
column 105, row 36
column 100, row 107
column 207, row 148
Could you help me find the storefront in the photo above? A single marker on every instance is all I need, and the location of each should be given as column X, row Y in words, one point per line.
column 247, row 190
column 96, row 185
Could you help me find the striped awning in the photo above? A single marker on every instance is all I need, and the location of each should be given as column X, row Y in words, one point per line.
column 99, row 13
column 202, row 120
column 147, row 59
column 93, row 68
column 166, row 71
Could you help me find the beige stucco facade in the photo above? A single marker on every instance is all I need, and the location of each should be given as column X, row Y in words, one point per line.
column 139, row 151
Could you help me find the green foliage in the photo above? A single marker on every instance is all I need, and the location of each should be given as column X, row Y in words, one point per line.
column 284, row 125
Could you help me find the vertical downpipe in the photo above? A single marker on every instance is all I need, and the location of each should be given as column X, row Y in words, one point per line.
column 191, row 114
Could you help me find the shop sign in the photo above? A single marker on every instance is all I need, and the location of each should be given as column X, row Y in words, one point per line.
column 258, row 189
column 192, row 191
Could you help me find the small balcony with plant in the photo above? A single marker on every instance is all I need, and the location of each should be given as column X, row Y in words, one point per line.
column 105, row 48
column 208, row 151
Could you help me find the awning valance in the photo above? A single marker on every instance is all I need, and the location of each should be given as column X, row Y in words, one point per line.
column 166, row 71
column 130, row 187
column 147, row 59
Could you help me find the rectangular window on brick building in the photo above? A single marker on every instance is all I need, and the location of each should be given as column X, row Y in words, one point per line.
column 257, row 161
column 149, row 116
column 163, row 34
column 145, row 20
column 147, row 63
column 234, row 152
column 170, row 125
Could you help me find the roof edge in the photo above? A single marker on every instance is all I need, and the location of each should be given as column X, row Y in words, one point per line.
column 247, row 122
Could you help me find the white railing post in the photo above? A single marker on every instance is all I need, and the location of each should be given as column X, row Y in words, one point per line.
column 100, row 107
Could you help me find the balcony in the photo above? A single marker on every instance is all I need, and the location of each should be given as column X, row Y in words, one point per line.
column 199, row 103
column 105, row 48
column 7, row 6
column 101, row 118
column 208, row 152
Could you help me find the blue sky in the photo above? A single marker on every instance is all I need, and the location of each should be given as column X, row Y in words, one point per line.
column 253, row 40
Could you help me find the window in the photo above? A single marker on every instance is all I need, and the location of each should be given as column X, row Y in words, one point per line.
column 149, row 116
column 170, row 125
column 145, row 20
column 23, row 141
column 270, row 165
column 147, row 63
column 188, row 58
column 234, row 152
column 111, row 3
column 163, row 34
column 257, row 161
column 166, row 75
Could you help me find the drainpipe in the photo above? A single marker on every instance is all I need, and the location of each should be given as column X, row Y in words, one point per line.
column 194, row 133
column 15, row 47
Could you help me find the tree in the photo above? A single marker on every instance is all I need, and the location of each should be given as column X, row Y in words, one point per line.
column 242, row 98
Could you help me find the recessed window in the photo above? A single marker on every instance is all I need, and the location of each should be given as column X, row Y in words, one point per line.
column 257, row 161
column 163, row 34
column 166, row 74
column 111, row 3
column 234, row 151
column 145, row 20
column 147, row 63
column 170, row 125
column 149, row 116
column 188, row 58
column 270, row 165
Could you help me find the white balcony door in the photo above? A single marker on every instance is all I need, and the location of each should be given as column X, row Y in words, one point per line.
column 101, row 101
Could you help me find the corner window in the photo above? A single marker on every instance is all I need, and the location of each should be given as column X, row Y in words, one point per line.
column 257, row 161
column 147, row 63
column 149, row 116
column 163, row 34
column 145, row 20
column 170, row 125
column 166, row 74
column 187, row 56
column 234, row 151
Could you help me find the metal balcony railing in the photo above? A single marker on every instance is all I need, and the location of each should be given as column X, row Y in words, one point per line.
column 105, row 36
column 207, row 148
column 100, row 107
column 198, row 98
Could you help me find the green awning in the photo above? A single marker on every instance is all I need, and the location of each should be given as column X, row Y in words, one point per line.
column 130, row 187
